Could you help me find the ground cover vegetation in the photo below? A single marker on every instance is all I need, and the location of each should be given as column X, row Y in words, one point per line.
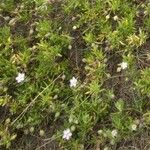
column 75, row 74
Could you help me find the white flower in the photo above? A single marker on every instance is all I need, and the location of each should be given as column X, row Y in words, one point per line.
column 73, row 18
column 73, row 82
column 67, row 134
column 112, row 96
column 20, row 77
column 124, row 65
column 116, row 18
column 106, row 148
column 107, row 17
column 41, row 133
column 59, row 28
column 70, row 47
column 100, row 131
column 74, row 27
column 134, row 127
column 114, row 133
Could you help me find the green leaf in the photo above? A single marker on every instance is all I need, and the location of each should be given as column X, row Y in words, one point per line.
column 120, row 105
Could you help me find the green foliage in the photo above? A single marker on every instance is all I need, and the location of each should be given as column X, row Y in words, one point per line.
column 7, row 5
column 120, row 105
column 43, row 28
column 4, row 35
column 144, row 82
column 76, row 64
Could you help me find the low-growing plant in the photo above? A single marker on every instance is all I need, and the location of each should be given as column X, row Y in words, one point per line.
column 74, row 74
